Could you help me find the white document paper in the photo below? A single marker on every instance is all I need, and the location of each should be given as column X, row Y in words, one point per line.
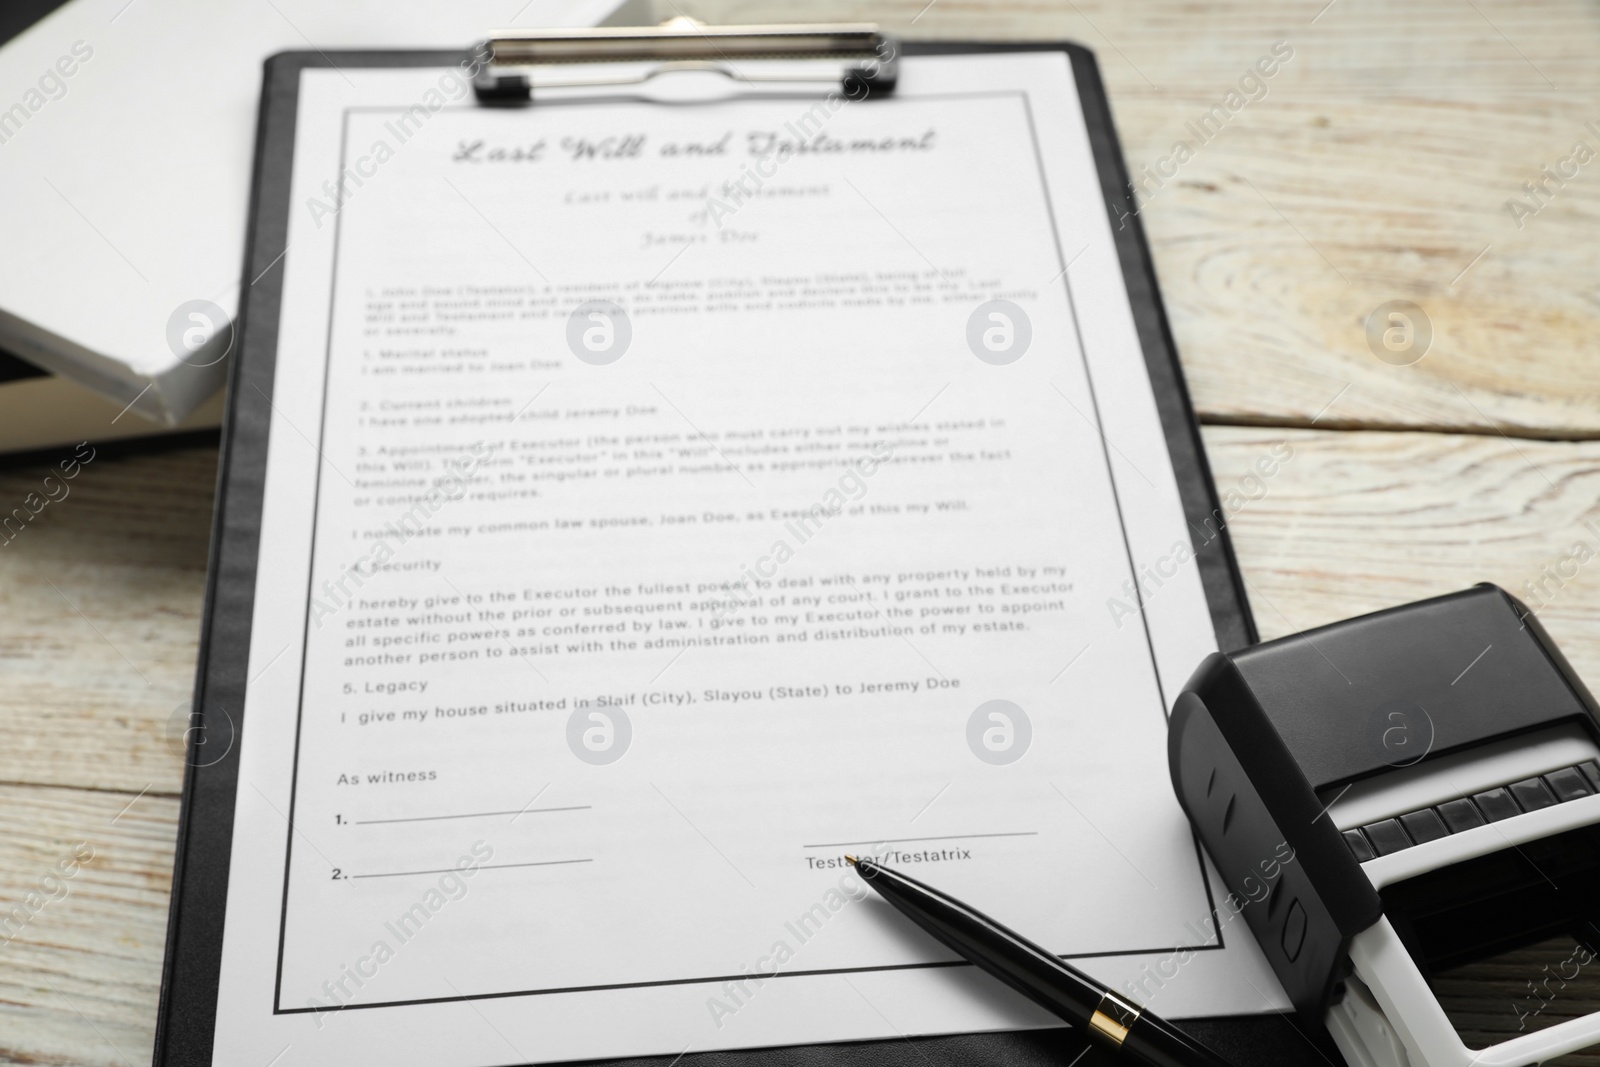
column 589, row 637
column 127, row 130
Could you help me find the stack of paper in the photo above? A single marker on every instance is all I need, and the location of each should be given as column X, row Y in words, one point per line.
column 127, row 130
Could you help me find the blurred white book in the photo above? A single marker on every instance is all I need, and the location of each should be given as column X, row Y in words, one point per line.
column 40, row 410
column 127, row 133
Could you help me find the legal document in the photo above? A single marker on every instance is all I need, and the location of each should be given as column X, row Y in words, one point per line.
column 664, row 501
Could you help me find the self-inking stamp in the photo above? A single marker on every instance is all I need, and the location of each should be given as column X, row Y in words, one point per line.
column 1436, row 770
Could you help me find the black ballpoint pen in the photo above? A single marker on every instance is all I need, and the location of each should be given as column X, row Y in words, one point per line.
column 1038, row 975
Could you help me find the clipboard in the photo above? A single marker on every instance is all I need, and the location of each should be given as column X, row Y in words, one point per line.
column 189, row 985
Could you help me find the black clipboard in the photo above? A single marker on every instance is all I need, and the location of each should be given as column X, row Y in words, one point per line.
column 190, row 975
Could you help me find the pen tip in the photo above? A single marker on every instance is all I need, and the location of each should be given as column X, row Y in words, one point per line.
column 851, row 860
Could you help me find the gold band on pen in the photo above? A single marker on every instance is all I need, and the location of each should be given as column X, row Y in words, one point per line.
column 1113, row 1018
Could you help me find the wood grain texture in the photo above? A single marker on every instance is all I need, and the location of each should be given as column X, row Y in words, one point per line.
column 1524, row 991
column 1376, row 166
column 81, row 944
column 1350, row 523
column 1354, row 522
column 100, row 597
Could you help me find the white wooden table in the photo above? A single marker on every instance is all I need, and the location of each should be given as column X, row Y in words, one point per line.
column 1376, row 167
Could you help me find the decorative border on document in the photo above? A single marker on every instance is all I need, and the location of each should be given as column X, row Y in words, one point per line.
column 1055, row 235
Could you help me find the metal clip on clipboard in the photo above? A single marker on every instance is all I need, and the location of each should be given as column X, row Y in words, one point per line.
column 856, row 57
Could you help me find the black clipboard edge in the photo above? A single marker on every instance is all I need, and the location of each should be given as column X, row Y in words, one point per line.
column 186, row 1017
column 1219, row 568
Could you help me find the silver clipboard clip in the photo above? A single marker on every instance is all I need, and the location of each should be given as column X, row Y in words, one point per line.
column 857, row 57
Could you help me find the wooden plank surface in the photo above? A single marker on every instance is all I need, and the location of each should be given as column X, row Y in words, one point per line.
column 1375, row 165
column 1357, row 521
column 1352, row 522
column 84, row 881
column 100, row 596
